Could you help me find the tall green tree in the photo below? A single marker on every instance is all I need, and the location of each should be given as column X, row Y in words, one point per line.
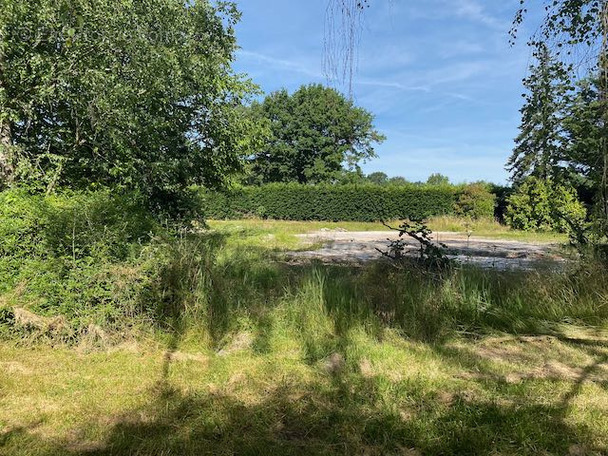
column 378, row 178
column 585, row 129
column 540, row 146
column 316, row 135
column 579, row 27
column 128, row 94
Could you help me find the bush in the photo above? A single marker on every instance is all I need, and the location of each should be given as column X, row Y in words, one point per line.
column 362, row 203
column 544, row 205
column 76, row 254
column 475, row 201
column 74, row 225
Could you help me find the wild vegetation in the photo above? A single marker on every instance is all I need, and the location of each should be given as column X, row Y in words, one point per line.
column 209, row 342
column 130, row 323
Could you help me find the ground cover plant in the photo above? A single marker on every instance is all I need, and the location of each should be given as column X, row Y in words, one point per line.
column 210, row 342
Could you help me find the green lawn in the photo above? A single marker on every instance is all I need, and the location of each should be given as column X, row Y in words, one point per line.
column 389, row 395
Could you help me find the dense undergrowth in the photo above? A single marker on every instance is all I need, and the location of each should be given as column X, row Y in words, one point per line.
column 79, row 266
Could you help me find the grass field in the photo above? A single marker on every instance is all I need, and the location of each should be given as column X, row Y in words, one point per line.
column 282, row 233
column 243, row 354
column 389, row 395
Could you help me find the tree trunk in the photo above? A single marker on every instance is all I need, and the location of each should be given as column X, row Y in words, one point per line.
column 603, row 64
column 6, row 158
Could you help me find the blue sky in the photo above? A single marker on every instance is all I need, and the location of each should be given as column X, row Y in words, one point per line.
column 439, row 75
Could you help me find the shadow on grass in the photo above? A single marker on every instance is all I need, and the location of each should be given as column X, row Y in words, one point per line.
column 346, row 412
column 344, row 415
column 553, row 419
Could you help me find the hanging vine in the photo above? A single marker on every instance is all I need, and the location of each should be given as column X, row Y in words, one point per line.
column 343, row 25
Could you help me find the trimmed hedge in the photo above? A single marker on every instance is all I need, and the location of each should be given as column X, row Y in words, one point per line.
column 361, row 203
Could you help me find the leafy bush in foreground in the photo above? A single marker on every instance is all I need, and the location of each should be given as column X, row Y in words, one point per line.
column 72, row 254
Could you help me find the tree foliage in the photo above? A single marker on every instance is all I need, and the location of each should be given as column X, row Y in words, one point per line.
column 476, row 201
column 585, row 131
column 577, row 31
column 316, row 134
column 438, row 179
column 540, row 145
column 545, row 205
column 378, row 178
column 135, row 95
column 566, row 23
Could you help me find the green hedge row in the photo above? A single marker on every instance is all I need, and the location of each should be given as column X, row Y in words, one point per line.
column 361, row 203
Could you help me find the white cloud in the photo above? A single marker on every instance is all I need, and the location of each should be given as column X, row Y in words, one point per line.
column 474, row 11
column 281, row 64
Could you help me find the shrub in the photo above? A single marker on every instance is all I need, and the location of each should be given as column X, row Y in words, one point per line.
column 475, row 201
column 361, row 203
column 544, row 205
column 72, row 254
column 75, row 224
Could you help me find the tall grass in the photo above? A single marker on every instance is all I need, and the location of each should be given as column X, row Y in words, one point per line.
column 89, row 268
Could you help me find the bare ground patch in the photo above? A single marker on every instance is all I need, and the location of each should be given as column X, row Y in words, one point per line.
column 355, row 247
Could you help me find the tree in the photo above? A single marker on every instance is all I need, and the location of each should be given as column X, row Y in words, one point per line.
column 315, row 135
column 378, row 178
column 545, row 205
column 398, row 180
column 438, row 179
column 126, row 94
column 540, row 144
column 476, row 201
column 584, row 132
column 579, row 27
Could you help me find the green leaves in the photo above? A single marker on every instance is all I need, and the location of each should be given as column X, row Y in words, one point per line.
column 544, row 205
column 316, row 133
column 540, row 146
column 331, row 202
column 130, row 95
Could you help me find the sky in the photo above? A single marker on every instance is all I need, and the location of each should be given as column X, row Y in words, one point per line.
column 440, row 77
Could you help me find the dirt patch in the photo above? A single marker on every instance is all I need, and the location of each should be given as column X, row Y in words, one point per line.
column 366, row 368
column 14, row 367
column 340, row 246
column 183, row 357
column 334, row 363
